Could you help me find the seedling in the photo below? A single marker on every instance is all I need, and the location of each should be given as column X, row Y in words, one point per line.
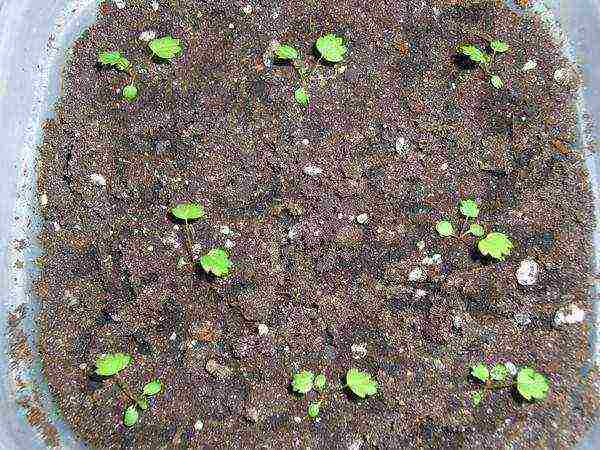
column 445, row 228
column 164, row 48
column 304, row 382
column 361, row 383
column 484, row 60
column 476, row 230
column 468, row 208
column 188, row 211
column 496, row 245
column 314, row 409
column 330, row 47
column 110, row 365
column 531, row 385
column 216, row 262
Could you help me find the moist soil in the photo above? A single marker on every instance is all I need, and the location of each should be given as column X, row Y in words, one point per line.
column 401, row 130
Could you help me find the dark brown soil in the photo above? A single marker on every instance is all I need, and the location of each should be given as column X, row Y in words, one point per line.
column 220, row 127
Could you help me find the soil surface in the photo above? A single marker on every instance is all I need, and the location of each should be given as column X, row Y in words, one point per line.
column 401, row 131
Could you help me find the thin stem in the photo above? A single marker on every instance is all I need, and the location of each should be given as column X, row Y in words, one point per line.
column 501, row 386
column 188, row 236
column 125, row 389
column 316, row 67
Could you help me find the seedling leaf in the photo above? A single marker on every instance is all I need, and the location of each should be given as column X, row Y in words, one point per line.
column 497, row 82
column 532, row 385
column 286, row 52
column 302, row 96
column 331, row 48
column 320, row 382
column 476, row 397
column 216, row 262
column 313, row 409
column 499, row 372
column 111, row 364
column 444, row 228
column 302, row 382
column 361, row 383
column 475, row 54
column 496, row 245
column 166, row 47
column 143, row 403
column 188, row 211
column 153, row 387
column 499, row 46
column 109, row 58
column 481, row 372
column 469, row 208
column 476, row 230
column 131, row 416
column 130, row 92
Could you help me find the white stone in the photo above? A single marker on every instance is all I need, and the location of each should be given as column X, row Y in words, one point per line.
column 247, row 9
column 312, row 170
column 43, row 199
column 154, row 5
column 293, row 233
column 199, row 425
column 120, row 3
column 420, row 293
column 263, row 330
column 305, row 142
column 229, row 244
column 529, row 65
column 528, row 272
column 569, row 315
column 421, row 245
column 400, row 144
column 512, row 369
column 362, row 218
column 224, row 229
column 231, row 26
column 147, row 36
column 417, row 274
column 359, row 350
column 98, row 179
column 173, row 336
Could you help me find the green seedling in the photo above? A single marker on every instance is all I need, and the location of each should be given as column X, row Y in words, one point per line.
column 314, row 409
column 531, row 385
column 165, row 47
column 303, row 382
column 330, row 47
column 444, row 228
column 361, row 383
column 476, row 230
column 320, row 382
column 110, row 365
column 216, row 262
column 188, row 211
column 115, row 59
column 468, row 208
column 496, row 245
column 484, row 60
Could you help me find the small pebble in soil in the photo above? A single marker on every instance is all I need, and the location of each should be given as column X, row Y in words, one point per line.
column 98, row 179
column 297, row 419
column 528, row 272
column 529, row 65
column 420, row 293
column 401, row 144
column 570, row 314
column 247, row 9
column 435, row 259
column 362, row 218
column 231, row 26
column 512, row 369
column 43, row 200
column 173, row 336
column 359, row 351
column 305, row 142
column 312, row 170
column 355, row 444
column 120, row 3
column 522, row 318
column 252, row 414
column 263, row 330
column 218, row 370
column 229, row 244
column 199, row 425
column 292, row 233
column 154, row 5
column 224, row 229
column 70, row 299
column 417, row 274
column 421, row 245
column 147, row 36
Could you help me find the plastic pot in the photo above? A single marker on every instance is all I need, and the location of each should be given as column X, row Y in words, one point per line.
column 34, row 36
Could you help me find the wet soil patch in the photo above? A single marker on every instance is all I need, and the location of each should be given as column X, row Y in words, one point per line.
column 400, row 131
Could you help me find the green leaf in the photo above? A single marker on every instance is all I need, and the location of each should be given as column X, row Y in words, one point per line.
column 331, row 48
column 188, row 211
column 286, row 52
column 166, row 47
column 481, row 372
column 131, row 416
column 496, row 245
column 532, row 385
column 111, row 364
column 109, row 58
column 216, row 262
column 476, row 397
column 361, row 383
column 130, row 92
column 497, row 82
column 314, row 409
column 302, row 96
column 499, row 46
column 476, row 230
column 444, row 228
column 153, row 387
column 302, row 382
column 143, row 403
column 469, row 208
column 475, row 54
column 320, row 382
column 499, row 372
column 123, row 64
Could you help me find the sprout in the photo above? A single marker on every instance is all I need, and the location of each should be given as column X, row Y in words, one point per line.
column 444, row 228
column 496, row 245
column 166, row 47
column 331, row 48
column 361, row 383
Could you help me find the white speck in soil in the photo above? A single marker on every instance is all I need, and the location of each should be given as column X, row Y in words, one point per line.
column 98, row 179
column 154, row 5
column 570, row 314
column 522, row 318
column 218, row 370
column 313, row 171
column 199, row 425
column 512, row 369
column 401, row 144
column 432, row 260
column 421, row 245
column 43, row 200
column 147, row 36
column 263, row 329
column 417, row 274
column 173, row 336
column 224, row 229
column 297, row 419
column 359, row 351
column 247, row 9
column 56, row 226
column 529, row 65
column 420, row 293
column 252, row 414
column 231, row 26
column 528, row 272
column 355, row 444
column 305, row 142
column 229, row 244
column 293, row 233
column 362, row 218
column 120, row 3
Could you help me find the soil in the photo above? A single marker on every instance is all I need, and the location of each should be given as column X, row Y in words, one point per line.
column 219, row 126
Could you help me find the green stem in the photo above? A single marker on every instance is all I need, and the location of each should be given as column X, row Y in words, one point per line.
column 125, row 389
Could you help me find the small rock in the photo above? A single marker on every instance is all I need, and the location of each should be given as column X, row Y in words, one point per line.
column 252, row 414
column 98, row 179
column 293, row 233
column 355, row 444
column 247, row 10
column 432, row 260
column 199, row 425
column 147, row 36
column 218, row 370
column 420, row 293
column 312, row 170
column 224, row 229
column 43, row 200
column 458, row 323
column 401, row 144
column 522, row 318
column 359, row 351
column 173, row 336
column 569, row 315
column 229, row 244
column 297, row 419
column 529, row 65
column 120, row 3
column 305, row 142
column 231, row 26
column 263, row 330
column 512, row 369
column 565, row 75
column 421, row 245
column 154, row 5
column 362, row 218
column 528, row 272
column 417, row 274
